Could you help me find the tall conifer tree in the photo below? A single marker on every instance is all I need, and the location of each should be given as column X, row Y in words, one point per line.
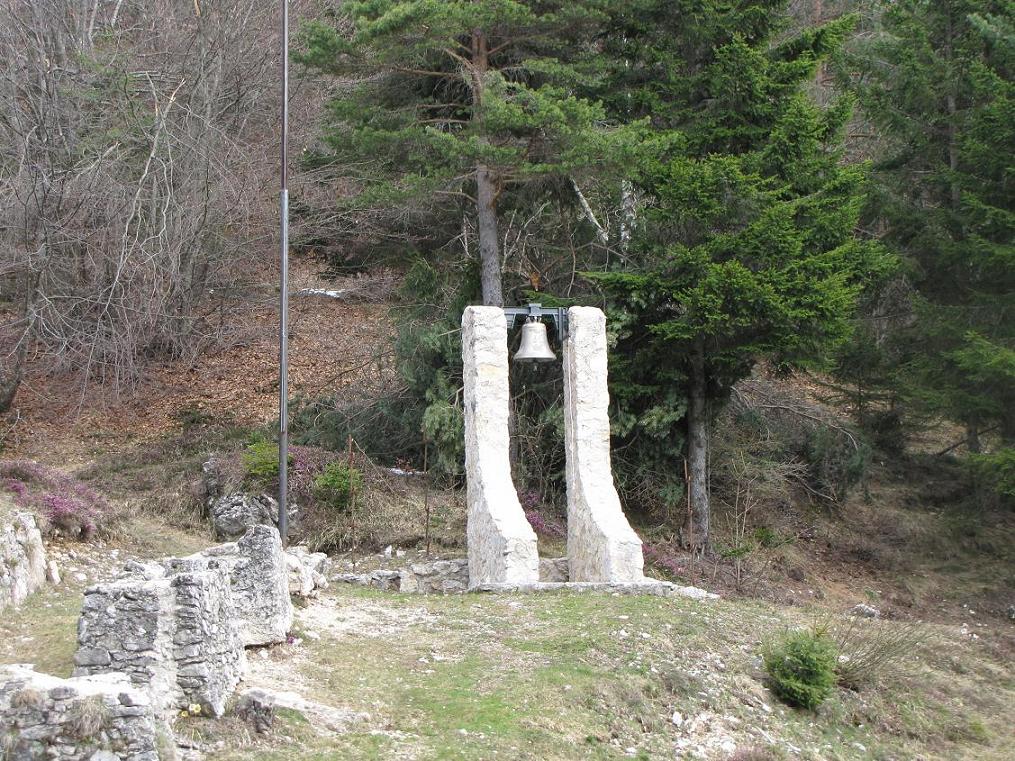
column 746, row 247
column 937, row 80
column 458, row 104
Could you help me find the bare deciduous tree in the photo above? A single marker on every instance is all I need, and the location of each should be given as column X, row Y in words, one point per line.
column 135, row 177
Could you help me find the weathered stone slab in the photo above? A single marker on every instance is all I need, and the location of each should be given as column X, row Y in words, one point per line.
column 78, row 719
column 601, row 545
column 22, row 557
column 501, row 543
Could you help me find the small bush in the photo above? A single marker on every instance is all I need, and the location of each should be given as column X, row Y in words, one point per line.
column 336, row 484
column 260, row 464
column 801, row 668
column 872, row 650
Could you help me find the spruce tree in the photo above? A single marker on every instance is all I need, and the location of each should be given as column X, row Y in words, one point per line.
column 937, row 80
column 746, row 247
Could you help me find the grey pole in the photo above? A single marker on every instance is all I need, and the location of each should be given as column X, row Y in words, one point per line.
column 283, row 330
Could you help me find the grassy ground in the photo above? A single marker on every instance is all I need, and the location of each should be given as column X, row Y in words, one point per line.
column 563, row 676
column 599, row 677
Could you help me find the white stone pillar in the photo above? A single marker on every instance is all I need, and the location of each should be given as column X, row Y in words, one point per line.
column 502, row 544
column 601, row 545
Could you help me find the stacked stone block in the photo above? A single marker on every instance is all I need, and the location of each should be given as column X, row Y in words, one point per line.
column 127, row 626
column 208, row 650
column 179, row 627
column 84, row 718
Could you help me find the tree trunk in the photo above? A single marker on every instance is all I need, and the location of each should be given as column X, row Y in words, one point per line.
column 12, row 371
column 973, row 438
column 489, row 244
column 486, row 187
column 696, row 527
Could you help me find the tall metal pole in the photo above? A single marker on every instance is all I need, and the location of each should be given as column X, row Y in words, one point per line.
column 283, row 330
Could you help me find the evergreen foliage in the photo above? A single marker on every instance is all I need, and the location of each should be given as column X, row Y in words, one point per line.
column 801, row 668
column 459, row 108
column 937, row 81
column 747, row 248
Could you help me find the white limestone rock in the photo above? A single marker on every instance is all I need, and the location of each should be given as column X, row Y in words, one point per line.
column 232, row 515
column 259, row 580
column 22, row 556
column 308, row 571
column 601, row 545
column 501, row 543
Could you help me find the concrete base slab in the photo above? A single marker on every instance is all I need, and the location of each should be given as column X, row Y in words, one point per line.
column 647, row 587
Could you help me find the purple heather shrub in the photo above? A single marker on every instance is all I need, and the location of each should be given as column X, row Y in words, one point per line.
column 70, row 506
column 15, row 486
column 69, row 515
column 545, row 526
column 662, row 556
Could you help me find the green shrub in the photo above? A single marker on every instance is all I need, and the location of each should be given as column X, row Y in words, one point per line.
column 260, row 463
column 836, row 462
column 801, row 668
column 336, row 484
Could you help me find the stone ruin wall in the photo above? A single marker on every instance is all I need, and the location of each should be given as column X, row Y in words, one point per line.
column 92, row 718
column 179, row 627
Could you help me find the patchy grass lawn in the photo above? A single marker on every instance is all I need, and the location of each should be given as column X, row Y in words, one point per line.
column 558, row 676
column 562, row 676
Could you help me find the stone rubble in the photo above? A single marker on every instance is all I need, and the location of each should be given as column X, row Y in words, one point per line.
column 22, row 557
column 452, row 577
column 308, row 571
column 92, row 718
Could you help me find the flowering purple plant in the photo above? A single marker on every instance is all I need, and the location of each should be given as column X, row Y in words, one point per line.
column 15, row 486
column 661, row 556
column 545, row 526
column 70, row 505
column 69, row 514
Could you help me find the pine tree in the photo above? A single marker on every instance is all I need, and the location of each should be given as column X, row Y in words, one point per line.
column 453, row 105
column 937, row 79
column 746, row 248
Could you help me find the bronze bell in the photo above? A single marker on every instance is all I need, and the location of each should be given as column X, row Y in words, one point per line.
column 534, row 347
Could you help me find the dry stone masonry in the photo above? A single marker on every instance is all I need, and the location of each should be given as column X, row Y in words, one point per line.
column 170, row 629
column 601, row 545
column 93, row 718
column 501, row 543
column 22, row 557
column 179, row 627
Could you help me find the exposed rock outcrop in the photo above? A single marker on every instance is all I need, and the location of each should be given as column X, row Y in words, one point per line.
column 233, row 514
column 22, row 557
